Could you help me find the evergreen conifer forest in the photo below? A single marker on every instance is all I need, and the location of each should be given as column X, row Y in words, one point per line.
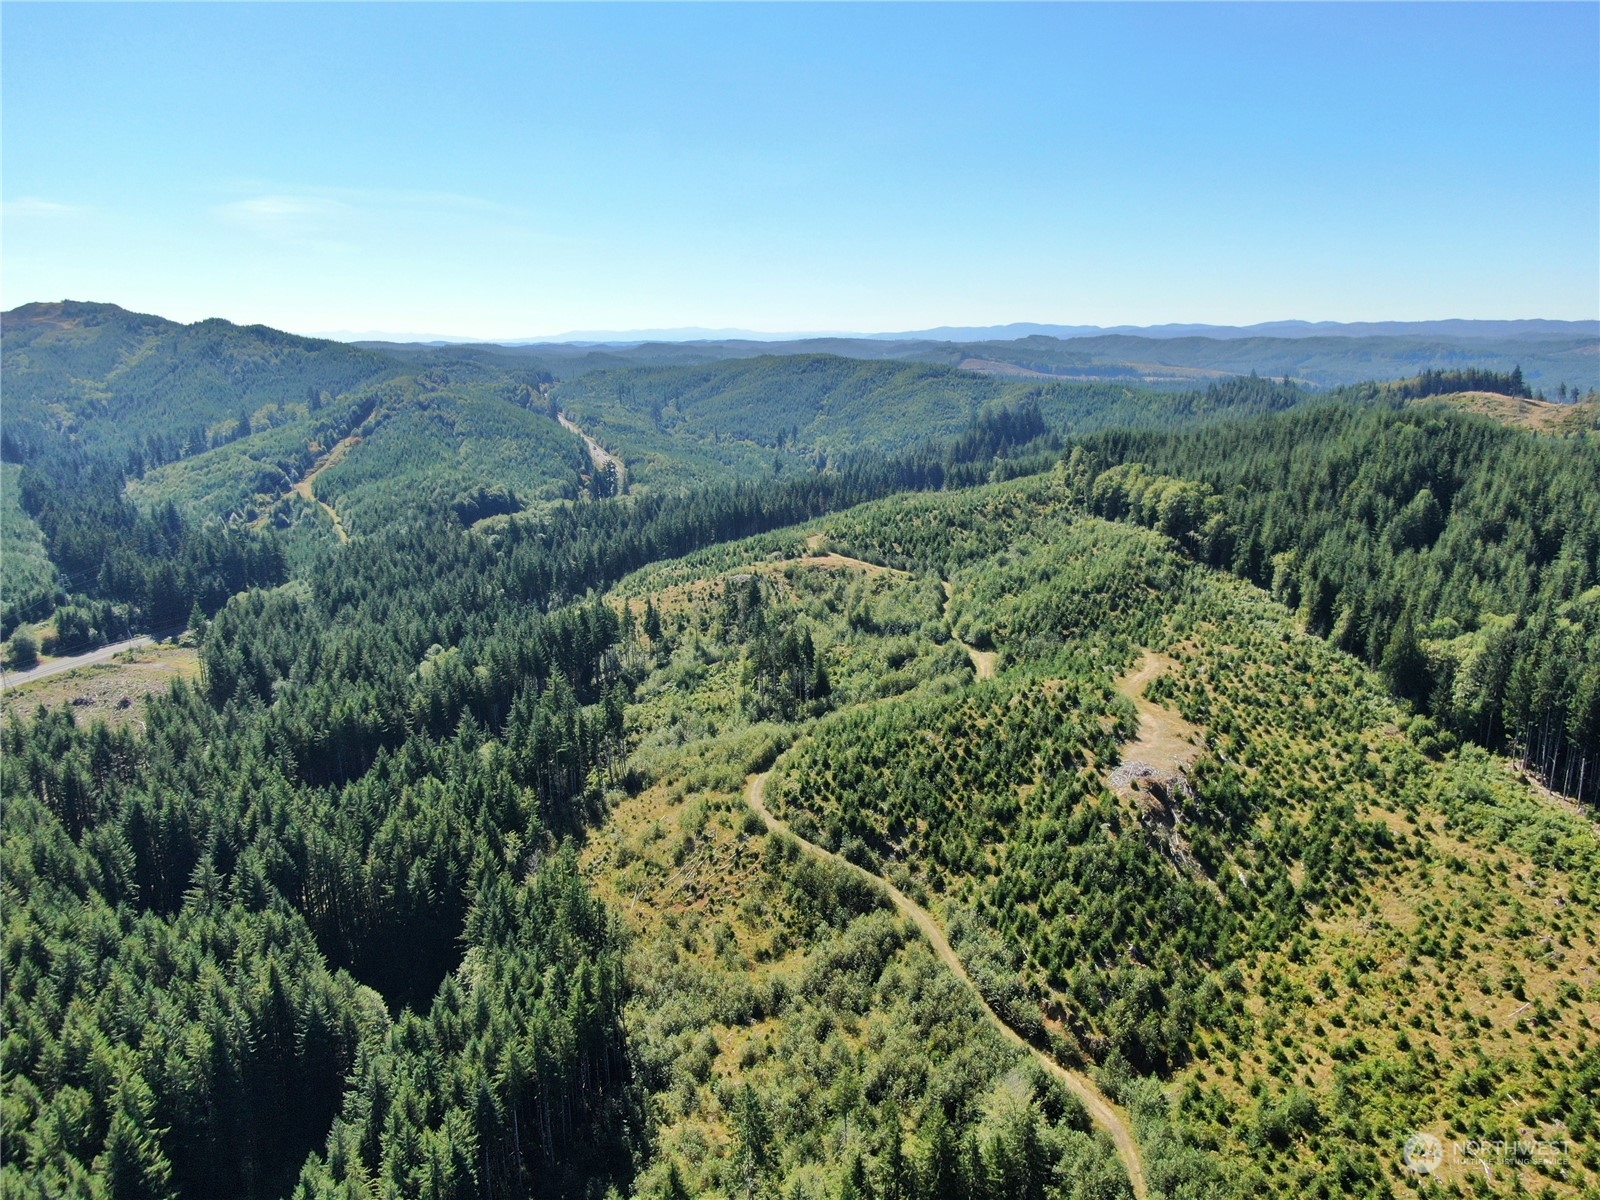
column 800, row 775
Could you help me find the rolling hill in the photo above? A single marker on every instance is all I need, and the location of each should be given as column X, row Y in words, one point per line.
column 1231, row 887
column 1550, row 353
column 1065, row 789
column 117, row 382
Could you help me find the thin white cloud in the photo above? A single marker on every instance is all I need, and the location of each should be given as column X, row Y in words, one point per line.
column 445, row 202
column 273, row 209
column 324, row 219
column 36, row 206
column 298, row 219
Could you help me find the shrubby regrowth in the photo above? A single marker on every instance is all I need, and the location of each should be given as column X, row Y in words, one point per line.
column 1207, row 739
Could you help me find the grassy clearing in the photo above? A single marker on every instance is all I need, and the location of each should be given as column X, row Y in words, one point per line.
column 112, row 692
column 1542, row 416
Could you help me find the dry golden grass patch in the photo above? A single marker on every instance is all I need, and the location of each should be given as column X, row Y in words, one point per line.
column 113, row 692
column 1542, row 416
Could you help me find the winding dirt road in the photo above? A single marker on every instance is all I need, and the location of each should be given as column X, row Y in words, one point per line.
column 598, row 454
column 1101, row 1111
column 983, row 661
column 303, row 488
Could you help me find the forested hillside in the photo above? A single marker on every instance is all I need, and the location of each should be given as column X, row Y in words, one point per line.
column 27, row 578
column 135, row 435
column 321, row 885
column 140, row 387
column 818, row 402
column 1552, row 356
column 1249, row 949
column 169, row 466
column 1459, row 556
column 1570, row 362
column 520, row 839
column 334, row 870
column 474, row 446
column 674, row 425
column 120, row 568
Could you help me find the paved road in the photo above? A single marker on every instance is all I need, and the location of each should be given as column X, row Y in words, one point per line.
column 1101, row 1110
column 11, row 679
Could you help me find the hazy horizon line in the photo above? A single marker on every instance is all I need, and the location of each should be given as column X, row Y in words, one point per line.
column 1006, row 331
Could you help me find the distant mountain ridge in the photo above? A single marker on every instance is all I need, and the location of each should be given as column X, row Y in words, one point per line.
column 1552, row 354
column 108, row 377
column 1450, row 328
column 1321, row 361
column 1454, row 328
column 71, row 313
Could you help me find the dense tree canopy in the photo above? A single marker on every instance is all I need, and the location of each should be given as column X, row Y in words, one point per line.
column 1458, row 555
column 317, row 923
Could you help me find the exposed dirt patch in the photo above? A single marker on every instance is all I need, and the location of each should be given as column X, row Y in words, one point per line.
column 833, row 562
column 331, row 458
column 990, row 366
column 1542, row 416
column 1166, row 744
column 818, row 555
column 112, row 691
column 984, row 662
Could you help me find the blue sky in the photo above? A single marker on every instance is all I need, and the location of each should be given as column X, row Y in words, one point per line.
column 504, row 170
